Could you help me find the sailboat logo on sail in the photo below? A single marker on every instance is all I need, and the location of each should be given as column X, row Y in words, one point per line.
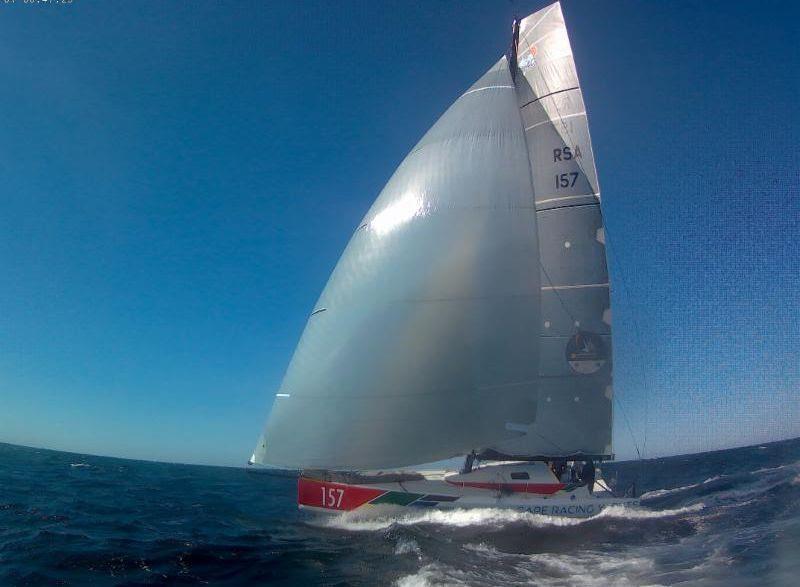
column 585, row 353
column 528, row 59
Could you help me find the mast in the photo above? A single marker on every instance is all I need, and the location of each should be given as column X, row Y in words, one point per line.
column 512, row 50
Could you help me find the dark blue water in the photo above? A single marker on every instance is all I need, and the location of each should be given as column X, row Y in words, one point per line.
column 723, row 518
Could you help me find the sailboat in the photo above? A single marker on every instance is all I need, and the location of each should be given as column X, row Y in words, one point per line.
column 469, row 315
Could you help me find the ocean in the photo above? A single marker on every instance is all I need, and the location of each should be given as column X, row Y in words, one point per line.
column 721, row 518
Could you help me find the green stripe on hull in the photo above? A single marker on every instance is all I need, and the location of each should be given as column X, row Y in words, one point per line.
column 396, row 498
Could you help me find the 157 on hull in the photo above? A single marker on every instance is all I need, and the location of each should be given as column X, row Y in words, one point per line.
column 334, row 496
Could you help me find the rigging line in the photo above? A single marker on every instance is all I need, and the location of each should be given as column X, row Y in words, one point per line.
column 543, row 437
column 636, row 334
column 558, row 295
column 628, row 423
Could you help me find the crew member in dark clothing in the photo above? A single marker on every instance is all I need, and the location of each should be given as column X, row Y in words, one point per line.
column 587, row 475
column 468, row 463
column 558, row 466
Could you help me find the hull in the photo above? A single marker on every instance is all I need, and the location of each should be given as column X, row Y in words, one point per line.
column 486, row 489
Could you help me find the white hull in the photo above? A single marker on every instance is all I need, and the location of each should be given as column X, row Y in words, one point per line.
column 486, row 487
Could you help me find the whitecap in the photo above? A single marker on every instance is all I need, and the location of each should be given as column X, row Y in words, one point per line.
column 636, row 513
column 407, row 546
column 433, row 574
column 662, row 492
column 583, row 568
column 794, row 465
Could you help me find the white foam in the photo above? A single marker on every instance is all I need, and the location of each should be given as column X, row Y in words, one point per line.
column 459, row 518
column 494, row 567
column 79, row 465
column 433, row 574
column 408, row 546
column 663, row 492
column 778, row 468
column 491, row 517
column 634, row 513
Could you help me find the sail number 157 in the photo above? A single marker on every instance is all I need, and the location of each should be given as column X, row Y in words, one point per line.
column 565, row 180
column 332, row 497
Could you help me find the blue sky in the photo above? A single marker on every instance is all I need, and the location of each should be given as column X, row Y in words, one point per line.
column 179, row 178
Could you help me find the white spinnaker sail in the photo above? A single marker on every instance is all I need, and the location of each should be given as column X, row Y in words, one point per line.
column 424, row 344
column 575, row 395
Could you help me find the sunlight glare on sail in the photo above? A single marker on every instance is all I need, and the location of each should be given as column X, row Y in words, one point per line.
column 397, row 213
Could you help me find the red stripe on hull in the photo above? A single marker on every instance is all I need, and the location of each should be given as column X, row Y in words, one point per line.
column 539, row 488
column 334, row 496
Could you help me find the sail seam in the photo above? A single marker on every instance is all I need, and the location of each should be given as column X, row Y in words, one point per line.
column 371, row 396
column 561, row 199
column 551, row 208
column 565, row 336
column 486, row 88
column 548, row 95
column 527, row 128
column 576, row 286
column 467, row 298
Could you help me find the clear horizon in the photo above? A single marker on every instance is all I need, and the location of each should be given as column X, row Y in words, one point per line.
column 455, row 462
column 180, row 180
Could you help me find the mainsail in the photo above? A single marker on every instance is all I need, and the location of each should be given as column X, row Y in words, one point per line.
column 574, row 394
column 470, row 308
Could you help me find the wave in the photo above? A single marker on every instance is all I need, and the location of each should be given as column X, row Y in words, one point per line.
column 662, row 492
column 79, row 465
column 492, row 517
column 408, row 546
column 494, row 567
column 794, row 465
column 433, row 574
column 760, row 479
